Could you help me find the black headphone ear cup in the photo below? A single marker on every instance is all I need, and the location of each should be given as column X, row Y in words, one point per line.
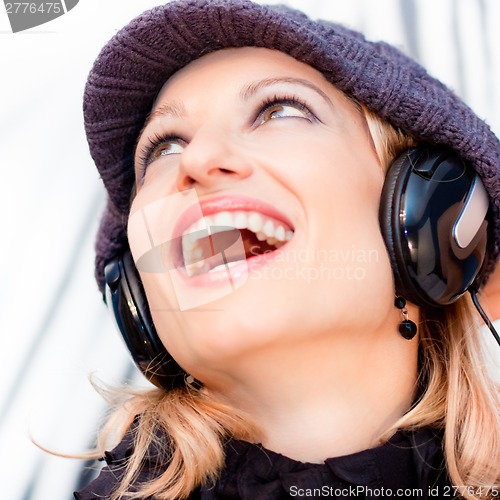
column 432, row 216
column 126, row 298
column 388, row 208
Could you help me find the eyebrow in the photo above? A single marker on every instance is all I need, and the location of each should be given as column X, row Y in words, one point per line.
column 252, row 88
column 172, row 109
column 176, row 109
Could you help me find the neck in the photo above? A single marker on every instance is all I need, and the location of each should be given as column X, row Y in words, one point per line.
column 329, row 397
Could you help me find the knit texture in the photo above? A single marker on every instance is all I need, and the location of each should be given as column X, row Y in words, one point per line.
column 136, row 62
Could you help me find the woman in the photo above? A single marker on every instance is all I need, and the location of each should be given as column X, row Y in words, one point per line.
column 250, row 159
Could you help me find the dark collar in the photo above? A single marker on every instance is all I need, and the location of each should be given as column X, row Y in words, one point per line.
column 408, row 461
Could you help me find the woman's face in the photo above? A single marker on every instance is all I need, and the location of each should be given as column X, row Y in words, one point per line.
column 258, row 141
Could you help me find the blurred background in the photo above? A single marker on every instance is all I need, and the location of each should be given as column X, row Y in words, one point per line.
column 54, row 328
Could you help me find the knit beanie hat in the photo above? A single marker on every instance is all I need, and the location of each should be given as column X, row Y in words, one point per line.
column 132, row 68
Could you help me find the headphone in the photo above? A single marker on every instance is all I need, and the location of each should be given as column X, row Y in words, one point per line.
column 433, row 218
column 125, row 297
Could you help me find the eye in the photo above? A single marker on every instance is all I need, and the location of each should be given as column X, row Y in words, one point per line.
column 283, row 108
column 159, row 146
column 165, row 148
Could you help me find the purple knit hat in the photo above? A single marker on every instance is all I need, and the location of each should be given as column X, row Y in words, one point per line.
column 136, row 62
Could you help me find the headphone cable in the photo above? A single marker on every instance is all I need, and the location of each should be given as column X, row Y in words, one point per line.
column 487, row 320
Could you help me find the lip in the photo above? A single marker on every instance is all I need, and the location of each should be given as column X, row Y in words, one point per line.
column 231, row 275
column 227, row 204
column 221, row 204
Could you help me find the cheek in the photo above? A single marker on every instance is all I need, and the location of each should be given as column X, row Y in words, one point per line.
column 174, row 327
column 150, row 235
column 159, row 179
column 339, row 188
column 325, row 160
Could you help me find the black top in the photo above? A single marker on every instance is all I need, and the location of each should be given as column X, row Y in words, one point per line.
column 410, row 465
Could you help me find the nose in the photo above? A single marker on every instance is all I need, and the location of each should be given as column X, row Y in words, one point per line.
column 213, row 158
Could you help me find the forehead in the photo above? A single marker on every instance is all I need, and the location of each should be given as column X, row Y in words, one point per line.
column 217, row 70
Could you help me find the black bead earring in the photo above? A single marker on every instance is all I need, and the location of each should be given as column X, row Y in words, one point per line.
column 407, row 327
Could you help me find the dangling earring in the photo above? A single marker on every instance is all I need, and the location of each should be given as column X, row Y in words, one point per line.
column 407, row 327
column 192, row 382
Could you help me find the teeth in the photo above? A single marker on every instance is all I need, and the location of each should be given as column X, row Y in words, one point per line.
column 197, row 253
column 221, row 267
column 206, row 222
column 223, row 219
column 194, row 268
column 188, row 244
column 279, row 234
column 240, row 220
column 201, row 224
column 268, row 229
column 255, row 222
column 265, row 229
column 200, row 267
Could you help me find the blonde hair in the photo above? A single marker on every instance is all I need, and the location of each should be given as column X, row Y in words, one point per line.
column 457, row 395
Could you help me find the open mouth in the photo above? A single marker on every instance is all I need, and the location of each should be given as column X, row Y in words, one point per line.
column 223, row 239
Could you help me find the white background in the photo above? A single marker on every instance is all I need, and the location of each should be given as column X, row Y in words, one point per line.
column 54, row 329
